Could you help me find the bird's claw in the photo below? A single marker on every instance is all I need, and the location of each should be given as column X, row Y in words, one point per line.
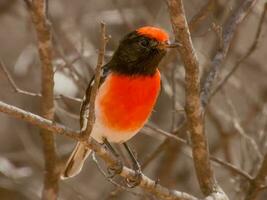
column 115, row 169
column 135, row 180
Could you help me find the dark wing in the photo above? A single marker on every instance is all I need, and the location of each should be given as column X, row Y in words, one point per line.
column 84, row 112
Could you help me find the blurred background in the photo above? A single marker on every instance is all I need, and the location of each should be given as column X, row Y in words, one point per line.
column 236, row 118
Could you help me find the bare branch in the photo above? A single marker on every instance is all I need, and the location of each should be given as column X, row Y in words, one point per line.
column 147, row 184
column 38, row 121
column 237, row 125
column 13, row 84
column 64, row 97
column 180, row 129
column 53, row 128
column 201, row 15
column 228, row 34
column 258, row 182
column 155, row 153
column 38, row 11
column 166, row 134
column 119, row 186
column 162, row 146
column 23, row 92
column 193, row 105
column 249, row 52
column 232, row 168
column 91, row 119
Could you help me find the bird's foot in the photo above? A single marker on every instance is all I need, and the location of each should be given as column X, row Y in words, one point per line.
column 135, row 180
column 115, row 169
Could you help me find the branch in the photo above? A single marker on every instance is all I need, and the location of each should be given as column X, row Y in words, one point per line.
column 154, row 154
column 23, row 92
column 249, row 52
column 227, row 36
column 258, row 182
column 13, row 84
column 91, row 119
column 147, row 184
column 232, row 168
column 54, row 128
column 70, row 98
column 182, row 128
column 119, row 186
column 38, row 11
column 38, row 121
column 163, row 145
column 193, row 105
column 201, row 15
column 168, row 135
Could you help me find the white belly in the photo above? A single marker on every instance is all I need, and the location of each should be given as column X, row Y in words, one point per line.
column 100, row 132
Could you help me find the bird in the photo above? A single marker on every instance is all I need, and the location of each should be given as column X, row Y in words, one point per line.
column 129, row 87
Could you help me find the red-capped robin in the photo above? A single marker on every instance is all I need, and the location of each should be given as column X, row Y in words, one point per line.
column 130, row 85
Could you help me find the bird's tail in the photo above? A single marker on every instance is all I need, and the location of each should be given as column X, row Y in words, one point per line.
column 76, row 160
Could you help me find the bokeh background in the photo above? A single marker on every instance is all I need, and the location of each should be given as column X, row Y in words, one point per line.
column 238, row 111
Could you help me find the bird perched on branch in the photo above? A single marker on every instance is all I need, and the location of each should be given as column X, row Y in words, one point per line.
column 130, row 85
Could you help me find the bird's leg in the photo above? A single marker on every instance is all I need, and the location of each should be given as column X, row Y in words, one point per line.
column 108, row 145
column 113, row 170
column 136, row 166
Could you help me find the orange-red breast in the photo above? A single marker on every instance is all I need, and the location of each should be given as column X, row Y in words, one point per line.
column 127, row 95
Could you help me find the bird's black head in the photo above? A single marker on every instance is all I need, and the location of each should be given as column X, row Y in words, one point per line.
column 140, row 52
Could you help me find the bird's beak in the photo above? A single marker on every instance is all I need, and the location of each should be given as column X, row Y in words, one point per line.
column 165, row 45
column 173, row 45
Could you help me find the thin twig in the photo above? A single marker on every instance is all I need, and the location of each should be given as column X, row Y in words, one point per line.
column 74, row 99
column 232, row 168
column 66, row 112
column 237, row 125
column 13, row 83
column 166, row 134
column 228, row 33
column 249, row 52
column 91, row 119
column 74, row 74
column 203, row 13
column 258, row 182
column 23, row 92
column 154, row 154
column 173, row 85
column 180, row 129
column 228, row 165
column 119, row 186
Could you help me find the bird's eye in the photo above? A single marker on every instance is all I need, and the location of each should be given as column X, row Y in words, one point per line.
column 153, row 43
column 144, row 43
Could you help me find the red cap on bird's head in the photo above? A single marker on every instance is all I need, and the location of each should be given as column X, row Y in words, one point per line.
column 140, row 51
column 153, row 33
